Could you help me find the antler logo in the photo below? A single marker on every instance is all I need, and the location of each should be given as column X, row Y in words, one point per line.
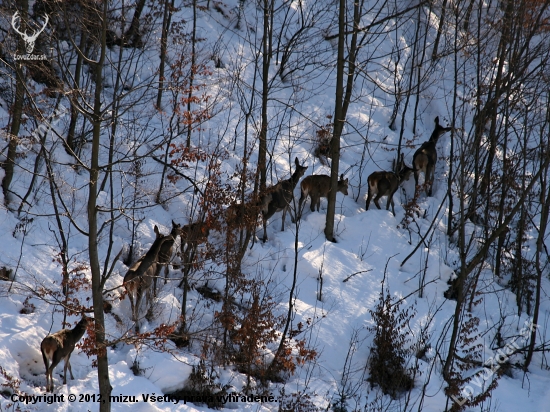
column 29, row 40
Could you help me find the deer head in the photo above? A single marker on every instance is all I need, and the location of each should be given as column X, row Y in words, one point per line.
column 29, row 40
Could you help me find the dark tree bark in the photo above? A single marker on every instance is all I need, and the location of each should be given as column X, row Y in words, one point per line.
column 105, row 387
column 17, row 109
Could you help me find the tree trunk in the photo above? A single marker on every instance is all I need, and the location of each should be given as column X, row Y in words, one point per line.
column 439, row 30
column 105, row 387
column 192, row 73
column 133, row 34
column 9, row 164
column 166, row 21
column 266, row 60
column 338, row 123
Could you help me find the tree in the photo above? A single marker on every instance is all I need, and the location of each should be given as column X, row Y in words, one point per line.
column 339, row 118
column 17, row 109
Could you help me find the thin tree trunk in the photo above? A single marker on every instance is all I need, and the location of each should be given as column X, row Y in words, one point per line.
column 74, row 111
column 192, row 73
column 166, row 21
column 132, row 35
column 9, row 164
column 105, row 387
column 439, row 30
column 338, row 122
column 266, row 60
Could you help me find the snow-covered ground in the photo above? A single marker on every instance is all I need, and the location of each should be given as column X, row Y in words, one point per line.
column 371, row 245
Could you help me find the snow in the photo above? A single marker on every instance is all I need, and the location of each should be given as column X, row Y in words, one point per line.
column 369, row 253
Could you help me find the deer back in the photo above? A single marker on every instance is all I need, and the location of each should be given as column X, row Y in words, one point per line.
column 247, row 213
column 144, row 269
column 383, row 183
column 425, row 156
column 59, row 344
column 319, row 186
column 194, row 232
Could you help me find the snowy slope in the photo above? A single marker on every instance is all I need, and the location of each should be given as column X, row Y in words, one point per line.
column 368, row 255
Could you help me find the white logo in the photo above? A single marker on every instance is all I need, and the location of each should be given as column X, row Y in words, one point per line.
column 29, row 40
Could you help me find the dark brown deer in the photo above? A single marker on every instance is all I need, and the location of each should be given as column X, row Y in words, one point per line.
column 191, row 235
column 318, row 186
column 281, row 196
column 60, row 345
column 386, row 184
column 238, row 215
column 196, row 233
column 165, row 253
column 425, row 157
column 139, row 277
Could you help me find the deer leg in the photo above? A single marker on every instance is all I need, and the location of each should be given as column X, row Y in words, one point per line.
column 416, row 173
column 156, row 276
column 46, row 365
column 302, row 198
column 49, row 381
column 166, row 271
column 131, row 296
column 265, row 228
column 369, row 198
column 67, row 365
column 283, row 222
column 139, row 296
column 376, row 199
column 148, row 301
column 390, row 200
column 312, row 204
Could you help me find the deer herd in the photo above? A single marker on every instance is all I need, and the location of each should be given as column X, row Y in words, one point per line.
column 144, row 272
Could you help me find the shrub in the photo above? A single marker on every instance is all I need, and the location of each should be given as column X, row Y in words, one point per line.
column 387, row 359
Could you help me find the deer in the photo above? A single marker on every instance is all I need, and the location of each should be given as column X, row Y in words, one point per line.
column 196, row 232
column 29, row 40
column 140, row 275
column 165, row 253
column 318, row 186
column 60, row 345
column 386, row 184
column 425, row 157
column 191, row 235
column 281, row 196
column 238, row 214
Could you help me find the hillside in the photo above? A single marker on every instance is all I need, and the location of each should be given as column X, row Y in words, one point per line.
column 145, row 117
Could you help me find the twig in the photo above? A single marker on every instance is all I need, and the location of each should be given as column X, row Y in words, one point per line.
column 356, row 273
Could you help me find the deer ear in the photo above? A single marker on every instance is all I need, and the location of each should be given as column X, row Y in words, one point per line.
column 156, row 229
column 436, row 121
column 296, row 161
